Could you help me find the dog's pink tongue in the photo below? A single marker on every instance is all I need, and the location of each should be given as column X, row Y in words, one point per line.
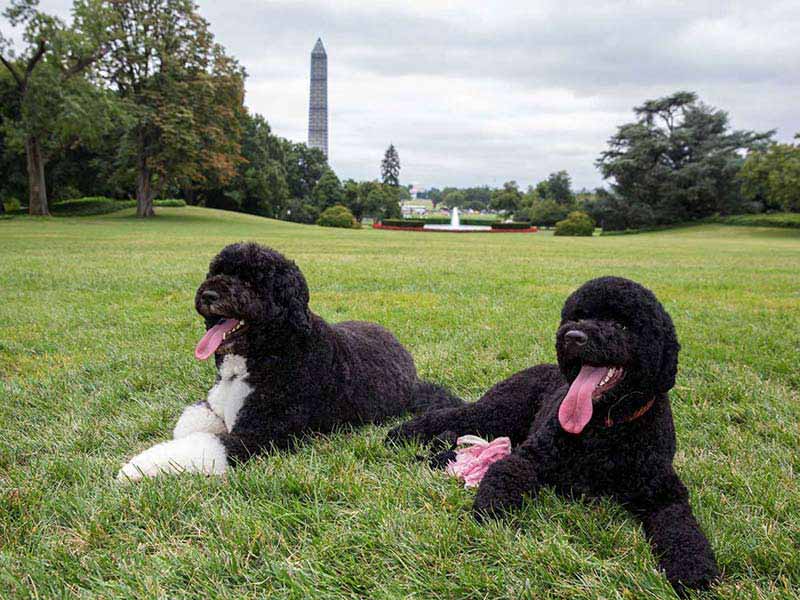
column 213, row 338
column 576, row 408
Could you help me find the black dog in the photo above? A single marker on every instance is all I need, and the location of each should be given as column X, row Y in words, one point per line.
column 597, row 424
column 282, row 370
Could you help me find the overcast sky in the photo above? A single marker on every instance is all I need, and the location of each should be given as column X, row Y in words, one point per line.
column 484, row 92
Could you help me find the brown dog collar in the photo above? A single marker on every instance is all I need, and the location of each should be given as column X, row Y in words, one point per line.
column 611, row 422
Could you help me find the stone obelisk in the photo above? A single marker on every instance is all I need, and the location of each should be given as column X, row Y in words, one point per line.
column 318, row 99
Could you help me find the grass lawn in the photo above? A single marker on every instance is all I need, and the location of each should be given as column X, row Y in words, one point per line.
column 97, row 330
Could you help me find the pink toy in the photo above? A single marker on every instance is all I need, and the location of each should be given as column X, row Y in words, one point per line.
column 473, row 460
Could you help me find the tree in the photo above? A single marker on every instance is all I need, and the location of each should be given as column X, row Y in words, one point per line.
column 380, row 200
column 390, row 167
column 546, row 213
column 677, row 162
column 328, row 191
column 304, row 167
column 772, row 177
column 262, row 174
column 52, row 104
column 559, row 188
column 353, row 199
column 183, row 93
column 14, row 179
column 508, row 199
column 455, row 198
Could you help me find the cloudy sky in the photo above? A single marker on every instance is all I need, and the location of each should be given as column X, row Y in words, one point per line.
column 484, row 92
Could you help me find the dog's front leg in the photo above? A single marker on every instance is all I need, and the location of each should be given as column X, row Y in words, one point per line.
column 504, row 486
column 198, row 417
column 682, row 549
column 198, row 452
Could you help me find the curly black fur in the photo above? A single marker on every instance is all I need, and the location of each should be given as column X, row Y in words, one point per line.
column 307, row 375
column 621, row 453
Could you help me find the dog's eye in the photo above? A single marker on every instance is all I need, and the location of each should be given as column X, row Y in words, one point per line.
column 619, row 325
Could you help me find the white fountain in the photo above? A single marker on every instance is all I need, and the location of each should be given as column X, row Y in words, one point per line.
column 455, row 224
column 455, row 220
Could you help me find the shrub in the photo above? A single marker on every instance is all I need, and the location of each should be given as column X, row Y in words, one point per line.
column 576, row 223
column 337, row 216
column 12, row 205
column 89, row 206
column 514, row 225
column 175, row 202
column 410, row 223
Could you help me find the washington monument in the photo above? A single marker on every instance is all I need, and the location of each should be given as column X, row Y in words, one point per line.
column 318, row 99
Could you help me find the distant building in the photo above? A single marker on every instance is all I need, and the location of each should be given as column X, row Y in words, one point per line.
column 318, row 99
column 412, row 210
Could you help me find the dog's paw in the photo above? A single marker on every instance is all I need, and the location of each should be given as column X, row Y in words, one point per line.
column 403, row 433
column 195, row 453
column 502, row 489
column 698, row 576
column 440, row 460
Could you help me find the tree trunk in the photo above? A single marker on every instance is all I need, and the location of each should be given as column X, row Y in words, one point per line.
column 37, row 191
column 144, row 190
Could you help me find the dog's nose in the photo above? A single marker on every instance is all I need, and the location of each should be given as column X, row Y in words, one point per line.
column 209, row 296
column 574, row 336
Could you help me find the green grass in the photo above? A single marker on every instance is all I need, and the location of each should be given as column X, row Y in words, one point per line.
column 97, row 332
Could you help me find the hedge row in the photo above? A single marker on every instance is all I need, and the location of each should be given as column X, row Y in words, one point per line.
column 514, row 225
column 99, row 205
column 410, row 223
column 463, row 221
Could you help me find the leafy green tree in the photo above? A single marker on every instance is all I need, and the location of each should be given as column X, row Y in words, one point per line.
column 772, row 177
column 559, row 188
column 184, row 96
column 262, row 174
column 13, row 183
column 353, row 199
column 304, row 167
column 53, row 99
column 380, row 200
column 455, row 198
column 328, row 191
column 546, row 213
column 508, row 198
column 390, row 166
column 677, row 162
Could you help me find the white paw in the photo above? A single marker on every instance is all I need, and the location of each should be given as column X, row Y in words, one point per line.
column 198, row 452
column 198, row 417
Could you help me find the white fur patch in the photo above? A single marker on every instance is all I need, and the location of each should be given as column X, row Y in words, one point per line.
column 228, row 395
column 198, row 417
column 198, row 452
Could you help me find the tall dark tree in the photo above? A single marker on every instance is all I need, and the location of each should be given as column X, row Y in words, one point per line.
column 677, row 162
column 184, row 96
column 51, row 109
column 390, row 166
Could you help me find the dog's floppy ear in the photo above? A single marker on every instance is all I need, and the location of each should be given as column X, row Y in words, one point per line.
column 669, row 356
column 291, row 294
